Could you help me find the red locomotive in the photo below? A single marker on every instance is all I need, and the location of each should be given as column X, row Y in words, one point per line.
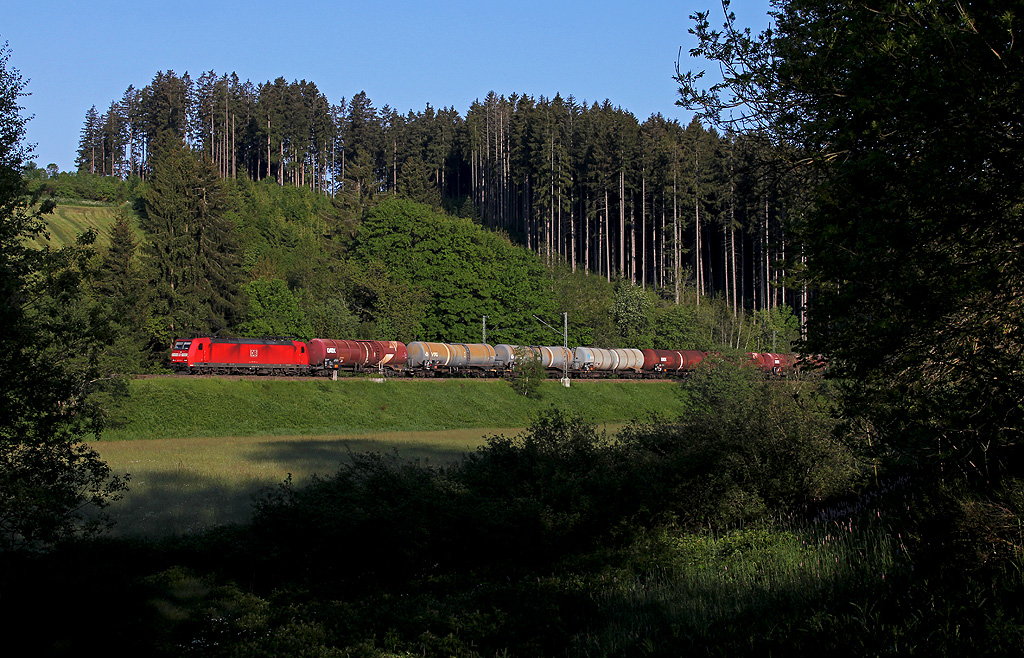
column 228, row 356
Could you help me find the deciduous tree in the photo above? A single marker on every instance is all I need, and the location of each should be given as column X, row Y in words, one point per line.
column 910, row 117
column 49, row 341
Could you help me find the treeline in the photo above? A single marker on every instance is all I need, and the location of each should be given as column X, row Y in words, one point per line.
column 661, row 205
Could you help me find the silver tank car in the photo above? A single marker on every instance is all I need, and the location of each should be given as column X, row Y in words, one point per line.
column 630, row 359
column 594, row 358
column 505, row 356
column 555, row 358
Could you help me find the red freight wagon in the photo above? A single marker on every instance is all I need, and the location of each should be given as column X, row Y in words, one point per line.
column 332, row 354
column 240, row 355
column 388, row 353
column 671, row 360
column 356, row 354
column 773, row 363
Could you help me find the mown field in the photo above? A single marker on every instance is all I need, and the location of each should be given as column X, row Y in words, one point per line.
column 70, row 220
column 198, row 449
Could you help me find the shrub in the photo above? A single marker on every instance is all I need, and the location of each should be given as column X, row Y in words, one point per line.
column 747, row 447
column 528, row 374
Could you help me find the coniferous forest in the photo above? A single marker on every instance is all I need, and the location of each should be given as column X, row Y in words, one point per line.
column 654, row 203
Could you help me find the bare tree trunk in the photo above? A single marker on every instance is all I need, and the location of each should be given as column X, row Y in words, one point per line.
column 607, row 240
column 572, row 231
column 675, row 236
column 782, row 273
column 586, row 238
column 661, row 256
column 725, row 264
column 643, row 230
column 735, row 300
column 622, row 223
column 767, row 262
column 803, row 301
column 632, row 245
column 551, row 200
column 697, row 247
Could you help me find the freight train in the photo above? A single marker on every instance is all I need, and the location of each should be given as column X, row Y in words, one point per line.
column 234, row 356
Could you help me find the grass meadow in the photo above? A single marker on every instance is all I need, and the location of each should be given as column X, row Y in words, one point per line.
column 181, row 486
column 198, row 449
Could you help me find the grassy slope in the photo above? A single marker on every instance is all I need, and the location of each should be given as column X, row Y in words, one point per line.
column 69, row 220
column 201, row 407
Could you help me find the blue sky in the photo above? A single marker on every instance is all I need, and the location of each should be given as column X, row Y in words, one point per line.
column 403, row 54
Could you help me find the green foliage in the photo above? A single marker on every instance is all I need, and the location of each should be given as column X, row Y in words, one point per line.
column 587, row 298
column 513, row 502
column 911, row 236
column 712, row 326
column 50, row 334
column 390, row 309
column 775, row 330
column 329, row 316
column 467, row 272
column 678, row 328
column 746, row 448
column 529, row 373
column 191, row 250
column 561, row 485
column 286, row 232
column 84, row 186
column 633, row 310
column 273, row 310
column 122, row 289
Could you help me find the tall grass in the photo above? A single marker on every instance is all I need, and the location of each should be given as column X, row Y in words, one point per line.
column 743, row 590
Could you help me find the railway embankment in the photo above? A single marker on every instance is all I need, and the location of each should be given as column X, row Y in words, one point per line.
column 183, row 407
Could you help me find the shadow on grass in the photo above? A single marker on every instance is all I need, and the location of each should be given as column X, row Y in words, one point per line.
column 165, row 504
column 199, row 485
column 312, row 456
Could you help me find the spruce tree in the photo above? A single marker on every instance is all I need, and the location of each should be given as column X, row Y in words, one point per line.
column 192, row 248
column 89, row 142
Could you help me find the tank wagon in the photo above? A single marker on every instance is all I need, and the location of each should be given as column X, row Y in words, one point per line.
column 671, row 361
column 356, row 355
column 774, row 363
column 599, row 360
column 451, row 358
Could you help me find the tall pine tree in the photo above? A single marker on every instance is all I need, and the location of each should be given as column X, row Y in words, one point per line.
column 192, row 249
